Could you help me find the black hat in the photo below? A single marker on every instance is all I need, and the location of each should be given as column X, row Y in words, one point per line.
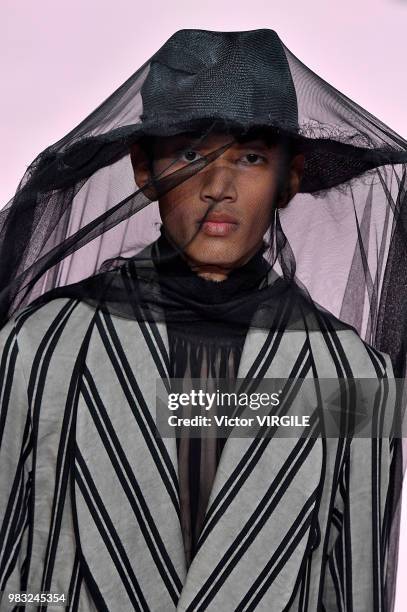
column 241, row 78
column 236, row 81
column 243, row 81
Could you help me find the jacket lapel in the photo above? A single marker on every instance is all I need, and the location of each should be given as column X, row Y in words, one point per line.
column 125, row 485
column 262, row 510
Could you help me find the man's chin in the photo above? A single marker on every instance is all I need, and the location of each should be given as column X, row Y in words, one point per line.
column 209, row 261
column 214, row 252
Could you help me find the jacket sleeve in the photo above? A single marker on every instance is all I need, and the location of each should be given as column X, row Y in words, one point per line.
column 357, row 557
column 15, row 462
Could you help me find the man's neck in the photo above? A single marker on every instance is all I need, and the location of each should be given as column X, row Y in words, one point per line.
column 215, row 276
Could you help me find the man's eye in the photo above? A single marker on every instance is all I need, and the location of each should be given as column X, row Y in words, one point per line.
column 189, row 155
column 252, row 158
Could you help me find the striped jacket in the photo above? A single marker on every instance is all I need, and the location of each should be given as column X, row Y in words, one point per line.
column 89, row 502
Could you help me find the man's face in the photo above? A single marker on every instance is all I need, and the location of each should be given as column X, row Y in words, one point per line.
column 220, row 214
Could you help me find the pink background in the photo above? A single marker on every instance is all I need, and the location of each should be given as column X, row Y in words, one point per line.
column 59, row 60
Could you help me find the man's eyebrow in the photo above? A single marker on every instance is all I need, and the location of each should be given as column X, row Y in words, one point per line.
column 198, row 140
column 256, row 143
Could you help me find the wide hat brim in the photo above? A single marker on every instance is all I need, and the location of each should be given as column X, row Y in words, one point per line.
column 328, row 162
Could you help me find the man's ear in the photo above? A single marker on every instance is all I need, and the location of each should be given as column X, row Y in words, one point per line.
column 142, row 170
column 295, row 172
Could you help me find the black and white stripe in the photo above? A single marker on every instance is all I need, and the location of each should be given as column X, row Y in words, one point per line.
column 136, row 529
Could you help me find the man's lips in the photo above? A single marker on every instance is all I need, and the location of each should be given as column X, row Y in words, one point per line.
column 219, row 218
column 218, row 225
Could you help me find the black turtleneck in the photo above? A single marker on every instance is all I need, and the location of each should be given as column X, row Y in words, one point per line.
column 223, row 309
column 208, row 348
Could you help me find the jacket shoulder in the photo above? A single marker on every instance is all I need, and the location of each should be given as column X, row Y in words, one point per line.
column 59, row 318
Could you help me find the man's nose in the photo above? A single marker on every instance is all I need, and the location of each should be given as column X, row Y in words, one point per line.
column 218, row 184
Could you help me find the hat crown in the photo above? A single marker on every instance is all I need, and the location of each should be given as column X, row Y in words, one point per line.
column 240, row 77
